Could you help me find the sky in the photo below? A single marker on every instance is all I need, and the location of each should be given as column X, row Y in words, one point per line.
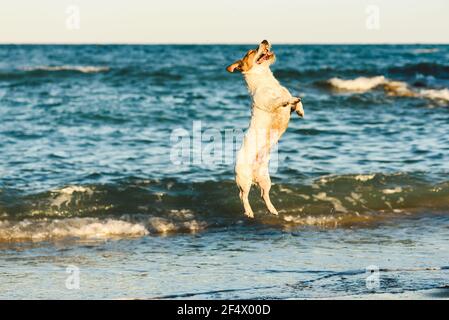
column 226, row 21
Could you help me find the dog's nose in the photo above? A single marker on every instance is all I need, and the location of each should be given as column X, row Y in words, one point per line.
column 265, row 42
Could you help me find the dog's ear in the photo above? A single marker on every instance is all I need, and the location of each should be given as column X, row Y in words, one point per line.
column 235, row 66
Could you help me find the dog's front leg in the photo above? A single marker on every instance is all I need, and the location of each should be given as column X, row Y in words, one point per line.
column 270, row 100
column 290, row 102
column 296, row 105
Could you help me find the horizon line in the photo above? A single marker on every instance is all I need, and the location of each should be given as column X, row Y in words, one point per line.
column 222, row 43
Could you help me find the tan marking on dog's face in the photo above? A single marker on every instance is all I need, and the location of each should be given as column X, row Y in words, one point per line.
column 260, row 55
column 245, row 64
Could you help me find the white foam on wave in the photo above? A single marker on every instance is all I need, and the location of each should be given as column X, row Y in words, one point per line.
column 83, row 228
column 399, row 89
column 320, row 221
column 364, row 177
column 425, row 50
column 361, row 84
column 392, row 191
column 392, row 88
column 177, row 221
column 333, row 178
column 82, row 69
column 434, row 94
column 64, row 196
column 162, row 225
column 338, row 206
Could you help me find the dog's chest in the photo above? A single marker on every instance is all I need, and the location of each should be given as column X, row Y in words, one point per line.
column 280, row 119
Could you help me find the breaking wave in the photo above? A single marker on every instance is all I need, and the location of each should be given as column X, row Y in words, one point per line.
column 81, row 228
column 433, row 94
column 361, row 84
column 141, row 207
column 392, row 88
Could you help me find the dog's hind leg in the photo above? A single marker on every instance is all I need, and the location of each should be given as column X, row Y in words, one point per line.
column 244, row 193
column 244, row 181
column 264, row 182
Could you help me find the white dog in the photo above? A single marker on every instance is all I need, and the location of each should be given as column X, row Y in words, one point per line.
column 271, row 108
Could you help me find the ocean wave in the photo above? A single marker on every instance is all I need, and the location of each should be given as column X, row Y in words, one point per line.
column 64, row 196
column 163, row 225
column 80, row 228
column 361, row 84
column 433, row 94
column 141, row 207
column 38, row 72
column 126, row 226
column 425, row 50
column 392, row 88
column 82, row 69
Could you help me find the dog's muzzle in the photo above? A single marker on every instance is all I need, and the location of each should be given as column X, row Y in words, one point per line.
column 264, row 52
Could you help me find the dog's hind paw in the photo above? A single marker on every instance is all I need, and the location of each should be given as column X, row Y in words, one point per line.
column 249, row 215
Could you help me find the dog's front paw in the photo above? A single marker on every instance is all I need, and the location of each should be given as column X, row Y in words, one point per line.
column 295, row 100
column 297, row 107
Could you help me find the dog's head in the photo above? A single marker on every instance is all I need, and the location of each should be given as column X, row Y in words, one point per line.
column 260, row 58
